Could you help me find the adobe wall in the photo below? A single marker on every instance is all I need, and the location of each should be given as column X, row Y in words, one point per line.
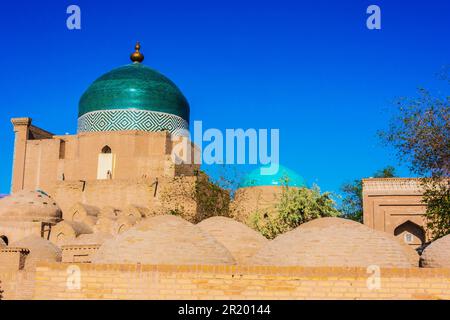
column 15, row 282
column 252, row 199
column 390, row 202
column 101, row 193
column 236, row 282
column 136, row 154
column 78, row 253
column 17, row 285
column 119, row 194
column 41, row 160
column 16, row 231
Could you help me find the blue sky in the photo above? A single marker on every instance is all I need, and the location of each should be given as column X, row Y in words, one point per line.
column 310, row 68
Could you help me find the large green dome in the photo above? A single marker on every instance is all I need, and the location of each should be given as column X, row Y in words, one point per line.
column 133, row 97
column 284, row 176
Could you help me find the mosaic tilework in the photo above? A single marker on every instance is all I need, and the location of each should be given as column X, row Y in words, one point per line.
column 131, row 119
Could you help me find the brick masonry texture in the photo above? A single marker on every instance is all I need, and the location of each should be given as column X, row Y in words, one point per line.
column 335, row 242
column 437, row 254
column 237, row 282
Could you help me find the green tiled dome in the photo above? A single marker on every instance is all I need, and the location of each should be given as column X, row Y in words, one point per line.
column 284, row 176
column 133, row 97
column 134, row 86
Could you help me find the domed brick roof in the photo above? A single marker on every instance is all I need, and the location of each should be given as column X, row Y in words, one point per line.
column 41, row 250
column 164, row 239
column 67, row 231
column 437, row 254
column 242, row 241
column 95, row 238
column 29, row 206
column 284, row 176
column 336, row 242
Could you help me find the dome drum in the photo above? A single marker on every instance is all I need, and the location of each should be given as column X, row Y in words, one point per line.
column 131, row 119
column 284, row 177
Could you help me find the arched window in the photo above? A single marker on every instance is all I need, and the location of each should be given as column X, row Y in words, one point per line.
column 5, row 239
column 410, row 233
column 106, row 149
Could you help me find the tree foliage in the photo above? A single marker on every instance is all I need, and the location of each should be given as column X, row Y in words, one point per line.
column 212, row 200
column 208, row 197
column 420, row 133
column 437, row 198
column 295, row 207
column 352, row 201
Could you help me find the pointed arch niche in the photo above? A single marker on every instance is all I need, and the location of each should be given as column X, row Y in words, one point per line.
column 410, row 233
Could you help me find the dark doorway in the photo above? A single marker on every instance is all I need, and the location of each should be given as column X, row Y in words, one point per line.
column 5, row 239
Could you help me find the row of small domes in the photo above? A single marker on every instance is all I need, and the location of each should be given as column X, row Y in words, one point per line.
column 219, row 240
column 169, row 239
column 38, row 206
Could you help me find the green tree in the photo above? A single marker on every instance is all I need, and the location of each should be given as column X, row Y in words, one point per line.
column 296, row 206
column 352, row 201
column 420, row 133
column 437, row 198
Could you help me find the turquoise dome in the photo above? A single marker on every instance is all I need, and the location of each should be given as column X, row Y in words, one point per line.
column 133, row 97
column 284, row 176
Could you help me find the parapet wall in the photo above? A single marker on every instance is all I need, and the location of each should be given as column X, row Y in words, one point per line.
column 60, row 281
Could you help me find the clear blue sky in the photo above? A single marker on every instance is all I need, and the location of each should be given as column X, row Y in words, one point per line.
column 310, row 68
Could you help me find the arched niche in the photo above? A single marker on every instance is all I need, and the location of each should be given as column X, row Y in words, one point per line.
column 410, row 233
column 106, row 149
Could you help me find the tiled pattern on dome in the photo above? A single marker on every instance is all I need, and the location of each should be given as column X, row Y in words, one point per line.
column 284, row 176
column 134, row 86
column 131, row 119
column 437, row 254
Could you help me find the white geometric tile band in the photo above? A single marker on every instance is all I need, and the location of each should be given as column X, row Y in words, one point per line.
column 131, row 119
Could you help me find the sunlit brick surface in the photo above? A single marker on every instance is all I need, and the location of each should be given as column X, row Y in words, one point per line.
column 336, row 242
column 238, row 282
column 437, row 254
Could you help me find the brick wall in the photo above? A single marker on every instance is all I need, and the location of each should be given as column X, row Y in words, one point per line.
column 17, row 285
column 119, row 193
column 236, row 282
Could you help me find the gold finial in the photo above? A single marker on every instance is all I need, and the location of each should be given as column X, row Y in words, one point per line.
column 137, row 56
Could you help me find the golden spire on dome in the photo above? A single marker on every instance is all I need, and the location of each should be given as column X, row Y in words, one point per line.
column 137, row 56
